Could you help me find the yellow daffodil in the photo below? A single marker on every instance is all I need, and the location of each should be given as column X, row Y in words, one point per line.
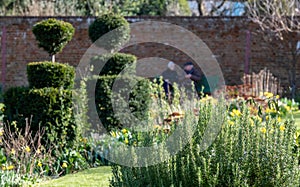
column 124, row 131
column 64, row 165
column 258, row 118
column 1, row 132
column 235, row 112
column 288, row 108
column 254, row 111
column 84, row 140
column 27, row 149
column 208, row 99
column 263, row 130
column 268, row 95
column 40, row 164
column 113, row 134
column 231, row 123
column 282, row 128
column 279, row 119
column 277, row 96
column 12, row 151
column 126, row 141
column 270, row 110
column 251, row 122
column 10, row 167
column 267, row 118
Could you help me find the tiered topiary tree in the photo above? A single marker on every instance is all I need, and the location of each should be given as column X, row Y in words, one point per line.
column 113, row 63
column 48, row 99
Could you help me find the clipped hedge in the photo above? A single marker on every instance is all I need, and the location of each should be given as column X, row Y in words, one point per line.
column 49, row 74
column 52, row 34
column 14, row 100
column 113, row 63
column 49, row 108
column 106, row 23
column 139, row 98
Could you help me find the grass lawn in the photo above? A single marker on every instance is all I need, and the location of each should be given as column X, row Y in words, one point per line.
column 91, row 177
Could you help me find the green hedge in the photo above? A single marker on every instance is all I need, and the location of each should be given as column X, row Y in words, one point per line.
column 49, row 74
column 105, row 24
column 53, row 34
column 14, row 102
column 139, row 98
column 49, row 108
column 113, row 63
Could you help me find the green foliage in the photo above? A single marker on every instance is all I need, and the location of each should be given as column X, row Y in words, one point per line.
column 154, row 8
column 49, row 74
column 49, row 108
column 184, row 7
column 10, row 7
column 70, row 160
column 114, row 63
column 138, row 99
column 80, row 108
column 52, row 35
column 248, row 151
column 14, row 101
column 1, row 93
column 106, row 23
column 2, row 109
column 164, row 8
column 91, row 7
column 10, row 178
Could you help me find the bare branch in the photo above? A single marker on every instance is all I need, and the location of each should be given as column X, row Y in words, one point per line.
column 278, row 17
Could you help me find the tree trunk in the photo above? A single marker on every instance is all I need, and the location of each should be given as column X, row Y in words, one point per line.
column 200, row 7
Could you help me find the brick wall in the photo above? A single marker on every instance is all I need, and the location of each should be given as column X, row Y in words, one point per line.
column 225, row 37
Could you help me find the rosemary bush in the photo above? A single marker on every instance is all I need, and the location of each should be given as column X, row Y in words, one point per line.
column 250, row 149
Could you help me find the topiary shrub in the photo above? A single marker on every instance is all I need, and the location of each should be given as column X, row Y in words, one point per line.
column 48, row 74
column 13, row 99
column 139, row 98
column 49, row 108
column 113, row 63
column 105, row 24
column 53, row 35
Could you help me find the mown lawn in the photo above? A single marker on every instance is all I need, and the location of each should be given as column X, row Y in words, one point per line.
column 91, row 177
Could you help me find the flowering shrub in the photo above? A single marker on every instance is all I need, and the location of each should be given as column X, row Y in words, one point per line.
column 255, row 147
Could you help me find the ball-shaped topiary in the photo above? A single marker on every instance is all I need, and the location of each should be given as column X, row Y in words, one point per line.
column 106, row 23
column 53, row 35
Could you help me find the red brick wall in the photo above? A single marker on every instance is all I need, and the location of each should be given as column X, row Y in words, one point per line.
column 226, row 37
